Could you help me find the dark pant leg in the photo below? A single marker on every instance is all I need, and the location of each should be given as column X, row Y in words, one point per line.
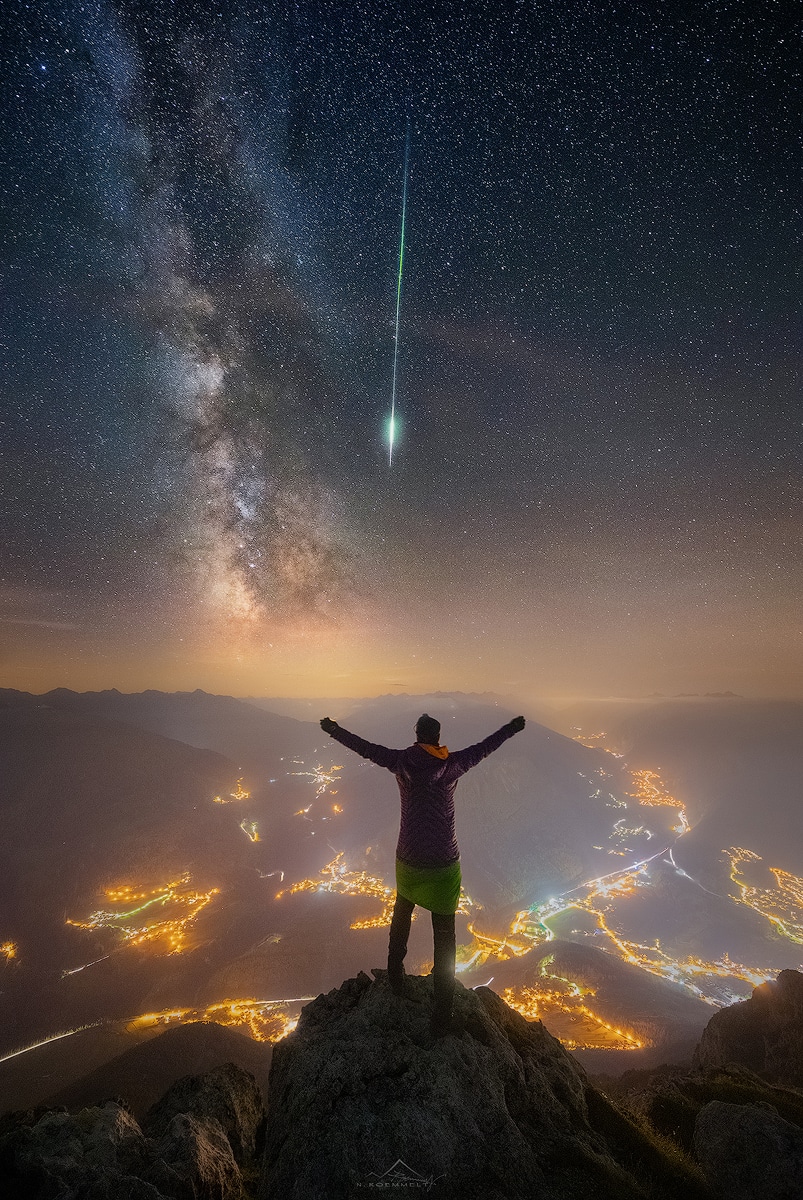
column 397, row 945
column 443, row 936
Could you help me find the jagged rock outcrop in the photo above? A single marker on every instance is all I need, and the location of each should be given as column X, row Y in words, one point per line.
column 672, row 1103
column 190, row 1150
column 749, row 1152
column 228, row 1096
column 363, row 1096
column 194, row 1160
column 764, row 1033
column 99, row 1151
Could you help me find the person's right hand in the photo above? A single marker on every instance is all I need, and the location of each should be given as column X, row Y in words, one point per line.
column 517, row 724
column 328, row 725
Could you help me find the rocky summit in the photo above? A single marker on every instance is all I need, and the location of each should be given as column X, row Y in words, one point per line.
column 362, row 1097
column 764, row 1033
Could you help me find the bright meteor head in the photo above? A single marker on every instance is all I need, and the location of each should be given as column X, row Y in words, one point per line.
column 392, row 430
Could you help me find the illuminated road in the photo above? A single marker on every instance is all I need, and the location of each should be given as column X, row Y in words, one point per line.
column 56, row 1037
column 263, row 1020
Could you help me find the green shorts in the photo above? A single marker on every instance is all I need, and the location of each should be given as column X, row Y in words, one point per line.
column 434, row 888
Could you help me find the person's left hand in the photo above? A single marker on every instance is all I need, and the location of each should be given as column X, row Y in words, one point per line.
column 328, row 725
column 517, row 724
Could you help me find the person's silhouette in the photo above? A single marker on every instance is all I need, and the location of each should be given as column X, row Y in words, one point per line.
column 427, row 854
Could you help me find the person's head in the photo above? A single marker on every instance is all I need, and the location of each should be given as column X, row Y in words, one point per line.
column 427, row 730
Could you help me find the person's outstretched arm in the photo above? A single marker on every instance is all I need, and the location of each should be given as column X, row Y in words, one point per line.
column 381, row 755
column 464, row 760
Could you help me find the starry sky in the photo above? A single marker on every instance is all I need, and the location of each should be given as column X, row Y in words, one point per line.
column 596, row 484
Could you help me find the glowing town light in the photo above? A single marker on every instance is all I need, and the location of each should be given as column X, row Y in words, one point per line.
column 712, row 981
column 173, row 931
column 9, row 950
column 337, row 878
column 262, row 1020
column 782, row 905
column 238, row 794
column 485, row 946
column 651, row 791
column 322, row 777
column 250, row 830
column 541, row 1003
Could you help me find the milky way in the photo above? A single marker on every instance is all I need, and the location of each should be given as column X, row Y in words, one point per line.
column 599, row 478
column 238, row 348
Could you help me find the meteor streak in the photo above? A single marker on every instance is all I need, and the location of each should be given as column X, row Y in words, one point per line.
column 392, row 421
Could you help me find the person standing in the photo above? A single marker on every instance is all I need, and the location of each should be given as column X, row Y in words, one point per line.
column 427, row 854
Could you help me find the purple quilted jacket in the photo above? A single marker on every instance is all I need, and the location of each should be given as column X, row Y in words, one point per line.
column 426, row 785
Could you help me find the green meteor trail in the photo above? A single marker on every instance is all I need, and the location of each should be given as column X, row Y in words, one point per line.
column 392, row 421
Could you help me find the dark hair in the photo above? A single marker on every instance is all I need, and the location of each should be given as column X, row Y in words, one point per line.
column 427, row 730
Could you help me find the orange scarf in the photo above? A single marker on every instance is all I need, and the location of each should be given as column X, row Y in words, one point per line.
column 435, row 751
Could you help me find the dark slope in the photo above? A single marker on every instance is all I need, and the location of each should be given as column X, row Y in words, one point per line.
column 85, row 802
column 255, row 740
column 88, row 805
column 141, row 1074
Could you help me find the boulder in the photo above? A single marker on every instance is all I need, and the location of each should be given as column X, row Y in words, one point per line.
column 671, row 1103
column 227, row 1095
column 99, row 1151
column 194, row 1161
column 764, row 1033
column 749, row 1152
column 194, row 1136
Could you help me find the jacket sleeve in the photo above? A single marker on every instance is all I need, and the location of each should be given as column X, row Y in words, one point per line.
column 381, row 755
column 464, row 760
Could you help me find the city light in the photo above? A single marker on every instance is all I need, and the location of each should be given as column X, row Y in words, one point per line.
column 262, row 1020
column 782, row 905
column 537, row 1004
column 136, row 914
column 322, row 778
column 250, row 830
column 232, row 797
column 651, row 791
column 337, row 878
column 172, row 931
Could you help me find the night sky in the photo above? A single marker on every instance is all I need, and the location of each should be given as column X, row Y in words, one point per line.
column 596, row 487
